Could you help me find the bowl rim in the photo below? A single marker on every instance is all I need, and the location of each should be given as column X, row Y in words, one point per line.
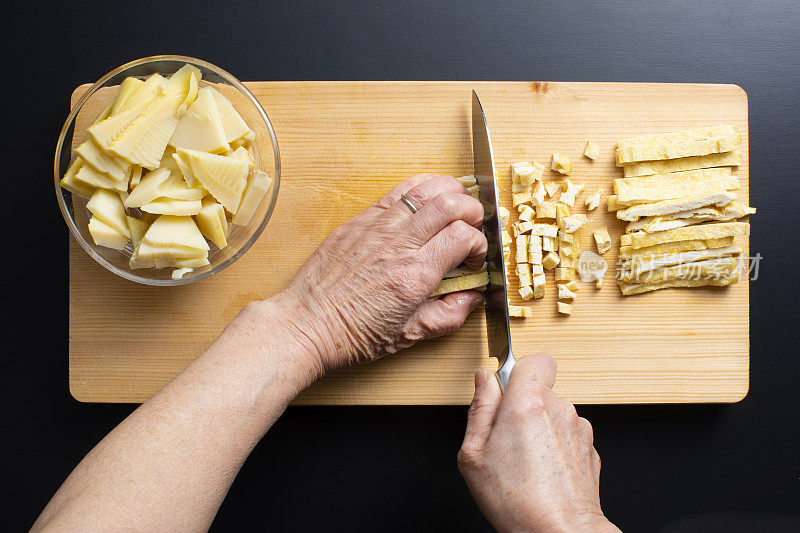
column 71, row 118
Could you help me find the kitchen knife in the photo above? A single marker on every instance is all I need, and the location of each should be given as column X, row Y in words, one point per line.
column 497, row 326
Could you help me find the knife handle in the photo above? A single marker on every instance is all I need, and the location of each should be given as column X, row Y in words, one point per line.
column 504, row 372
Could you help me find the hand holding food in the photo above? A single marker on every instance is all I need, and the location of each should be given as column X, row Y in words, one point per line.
column 365, row 291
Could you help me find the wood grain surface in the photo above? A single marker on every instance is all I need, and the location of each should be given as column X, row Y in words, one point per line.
column 343, row 145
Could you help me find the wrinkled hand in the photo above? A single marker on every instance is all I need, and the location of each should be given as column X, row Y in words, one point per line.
column 363, row 292
column 528, row 457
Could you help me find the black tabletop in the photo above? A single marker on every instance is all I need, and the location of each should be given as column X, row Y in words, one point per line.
column 364, row 469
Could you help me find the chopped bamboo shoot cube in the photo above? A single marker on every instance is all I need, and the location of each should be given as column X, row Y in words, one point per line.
column 550, row 260
column 520, row 311
column 526, row 292
column 602, row 239
column 546, row 210
column 592, row 151
column 564, row 293
column 561, row 164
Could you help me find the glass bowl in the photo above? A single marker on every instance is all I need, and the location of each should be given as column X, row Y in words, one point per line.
column 90, row 105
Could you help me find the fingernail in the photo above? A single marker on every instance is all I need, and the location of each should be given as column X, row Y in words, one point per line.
column 481, row 378
column 477, row 301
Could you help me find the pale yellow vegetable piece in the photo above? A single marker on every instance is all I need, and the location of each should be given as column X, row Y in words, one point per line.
column 701, row 141
column 526, row 173
column 611, row 203
column 178, row 235
column 544, row 230
column 137, row 229
column 462, row 283
column 561, row 163
column 75, row 187
column 105, row 131
column 573, row 223
column 88, row 176
column 627, row 252
column 148, row 189
column 538, row 194
column 602, row 240
column 721, row 266
column 566, row 261
column 521, row 197
column 503, row 214
column 200, row 128
column 191, row 95
column 143, row 142
column 551, row 188
column 474, row 191
column 522, row 242
column 646, row 263
column 212, row 222
column 550, row 260
column 107, row 207
column 171, row 206
column 571, row 285
column 537, row 270
column 565, row 249
column 570, row 193
column 102, row 161
column 564, row 274
column 178, row 273
column 562, row 211
column 546, row 210
column 539, row 285
column 136, row 176
column 467, row 181
column 105, row 235
column 526, row 292
column 665, row 166
column 566, row 237
column 717, row 281
column 731, row 211
column 527, row 213
column 645, row 189
column 701, row 198
column 175, row 187
column 564, row 293
column 593, row 201
column 144, row 94
column 517, row 188
column 655, row 224
column 234, row 125
column 505, row 238
column 703, row 231
column 185, row 168
column 592, row 151
column 126, row 89
column 549, row 244
column 223, row 177
column 242, row 154
column 519, row 311
column 535, row 250
column 564, row 308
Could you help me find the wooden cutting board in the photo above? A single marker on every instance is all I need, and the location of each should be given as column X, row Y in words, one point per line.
column 343, row 145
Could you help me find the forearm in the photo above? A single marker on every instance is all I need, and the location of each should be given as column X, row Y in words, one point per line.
column 171, row 462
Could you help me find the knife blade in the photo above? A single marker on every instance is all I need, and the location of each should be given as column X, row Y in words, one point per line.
column 498, row 329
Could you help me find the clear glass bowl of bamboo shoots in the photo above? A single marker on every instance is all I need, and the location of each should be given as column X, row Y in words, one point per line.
column 167, row 170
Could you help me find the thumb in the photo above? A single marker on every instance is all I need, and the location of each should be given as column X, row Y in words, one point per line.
column 480, row 418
